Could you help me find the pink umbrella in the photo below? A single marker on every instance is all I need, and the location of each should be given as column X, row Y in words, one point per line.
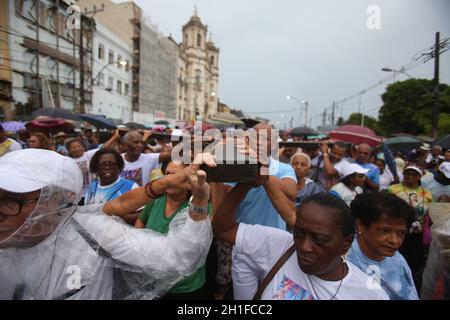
column 49, row 126
column 356, row 134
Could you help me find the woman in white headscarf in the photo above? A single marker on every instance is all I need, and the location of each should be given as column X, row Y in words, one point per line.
column 52, row 249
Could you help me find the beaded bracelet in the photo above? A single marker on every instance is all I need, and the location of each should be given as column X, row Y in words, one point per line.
column 150, row 192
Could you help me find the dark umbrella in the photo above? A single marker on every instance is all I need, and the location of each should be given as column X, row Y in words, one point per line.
column 250, row 123
column 303, row 131
column 56, row 113
column 403, row 143
column 444, row 142
column 99, row 121
column 163, row 122
column 134, row 125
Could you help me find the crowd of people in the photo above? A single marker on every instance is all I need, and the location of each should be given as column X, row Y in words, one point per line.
column 116, row 217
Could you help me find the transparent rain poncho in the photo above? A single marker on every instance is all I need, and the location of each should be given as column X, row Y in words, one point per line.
column 438, row 261
column 63, row 251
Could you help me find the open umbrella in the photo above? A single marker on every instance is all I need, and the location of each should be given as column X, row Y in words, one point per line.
column 49, row 126
column 205, row 127
column 444, row 142
column 13, row 126
column 163, row 122
column 403, row 144
column 356, row 134
column 303, row 131
column 135, row 125
column 99, row 121
column 56, row 113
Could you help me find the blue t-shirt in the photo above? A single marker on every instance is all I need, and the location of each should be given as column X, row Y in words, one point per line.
column 256, row 208
column 374, row 172
column 102, row 194
column 393, row 273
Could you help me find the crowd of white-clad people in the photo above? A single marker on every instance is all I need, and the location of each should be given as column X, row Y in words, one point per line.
column 89, row 216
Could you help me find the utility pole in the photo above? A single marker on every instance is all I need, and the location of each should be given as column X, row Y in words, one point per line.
column 82, row 54
column 82, row 94
column 324, row 117
column 436, row 89
column 38, row 62
column 332, row 113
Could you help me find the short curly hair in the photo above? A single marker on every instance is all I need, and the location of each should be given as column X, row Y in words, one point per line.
column 340, row 209
column 93, row 165
column 368, row 208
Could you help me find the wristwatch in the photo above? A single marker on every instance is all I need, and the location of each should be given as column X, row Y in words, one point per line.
column 325, row 154
column 198, row 210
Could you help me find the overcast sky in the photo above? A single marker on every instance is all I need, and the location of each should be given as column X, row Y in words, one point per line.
column 320, row 51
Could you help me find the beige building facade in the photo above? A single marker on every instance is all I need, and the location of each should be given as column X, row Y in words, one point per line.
column 198, row 73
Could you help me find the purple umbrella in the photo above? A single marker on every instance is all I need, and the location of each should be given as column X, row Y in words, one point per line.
column 13, row 126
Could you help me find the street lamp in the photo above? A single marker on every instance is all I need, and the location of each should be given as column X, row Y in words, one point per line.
column 435, row 94
column 402, row 71
column 121, row 62
column 300, row 103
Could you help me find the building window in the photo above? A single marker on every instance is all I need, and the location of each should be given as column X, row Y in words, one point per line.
column 119, row 59
column 211, row 60
column 119, row 87
column 127, row 89
column 111, row 57
column 110, row 83
column 101, row 51
column 127, row 66
column 199, row 40
column 186, row 39
column 101, row 79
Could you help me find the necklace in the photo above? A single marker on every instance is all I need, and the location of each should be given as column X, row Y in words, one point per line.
column 339, row 287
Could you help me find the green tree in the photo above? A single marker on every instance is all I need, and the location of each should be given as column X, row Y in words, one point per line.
column 407, row 107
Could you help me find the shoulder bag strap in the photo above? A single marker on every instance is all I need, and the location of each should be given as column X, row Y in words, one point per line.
column 273, row 272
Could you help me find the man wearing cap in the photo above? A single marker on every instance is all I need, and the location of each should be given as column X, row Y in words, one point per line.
column 419, row 155
column 363, row 152
column 52, row 249
column 7, row 144
column 60, row 146
column 439, row 184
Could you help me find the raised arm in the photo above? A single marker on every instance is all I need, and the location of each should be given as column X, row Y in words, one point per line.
column 137, row 198
column 280, row 201
column 224, row 223
column 327, row 165
column 110, row 143
column 178, row 253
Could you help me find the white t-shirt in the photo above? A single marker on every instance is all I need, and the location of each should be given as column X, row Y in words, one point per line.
column 83, row 163
column 430, row 157
column 139, row 171
column 339, row 166
column 256, row 251
column 13, row 146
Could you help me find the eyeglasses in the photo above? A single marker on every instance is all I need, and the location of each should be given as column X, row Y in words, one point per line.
column 13, row 207
column 105, row 165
